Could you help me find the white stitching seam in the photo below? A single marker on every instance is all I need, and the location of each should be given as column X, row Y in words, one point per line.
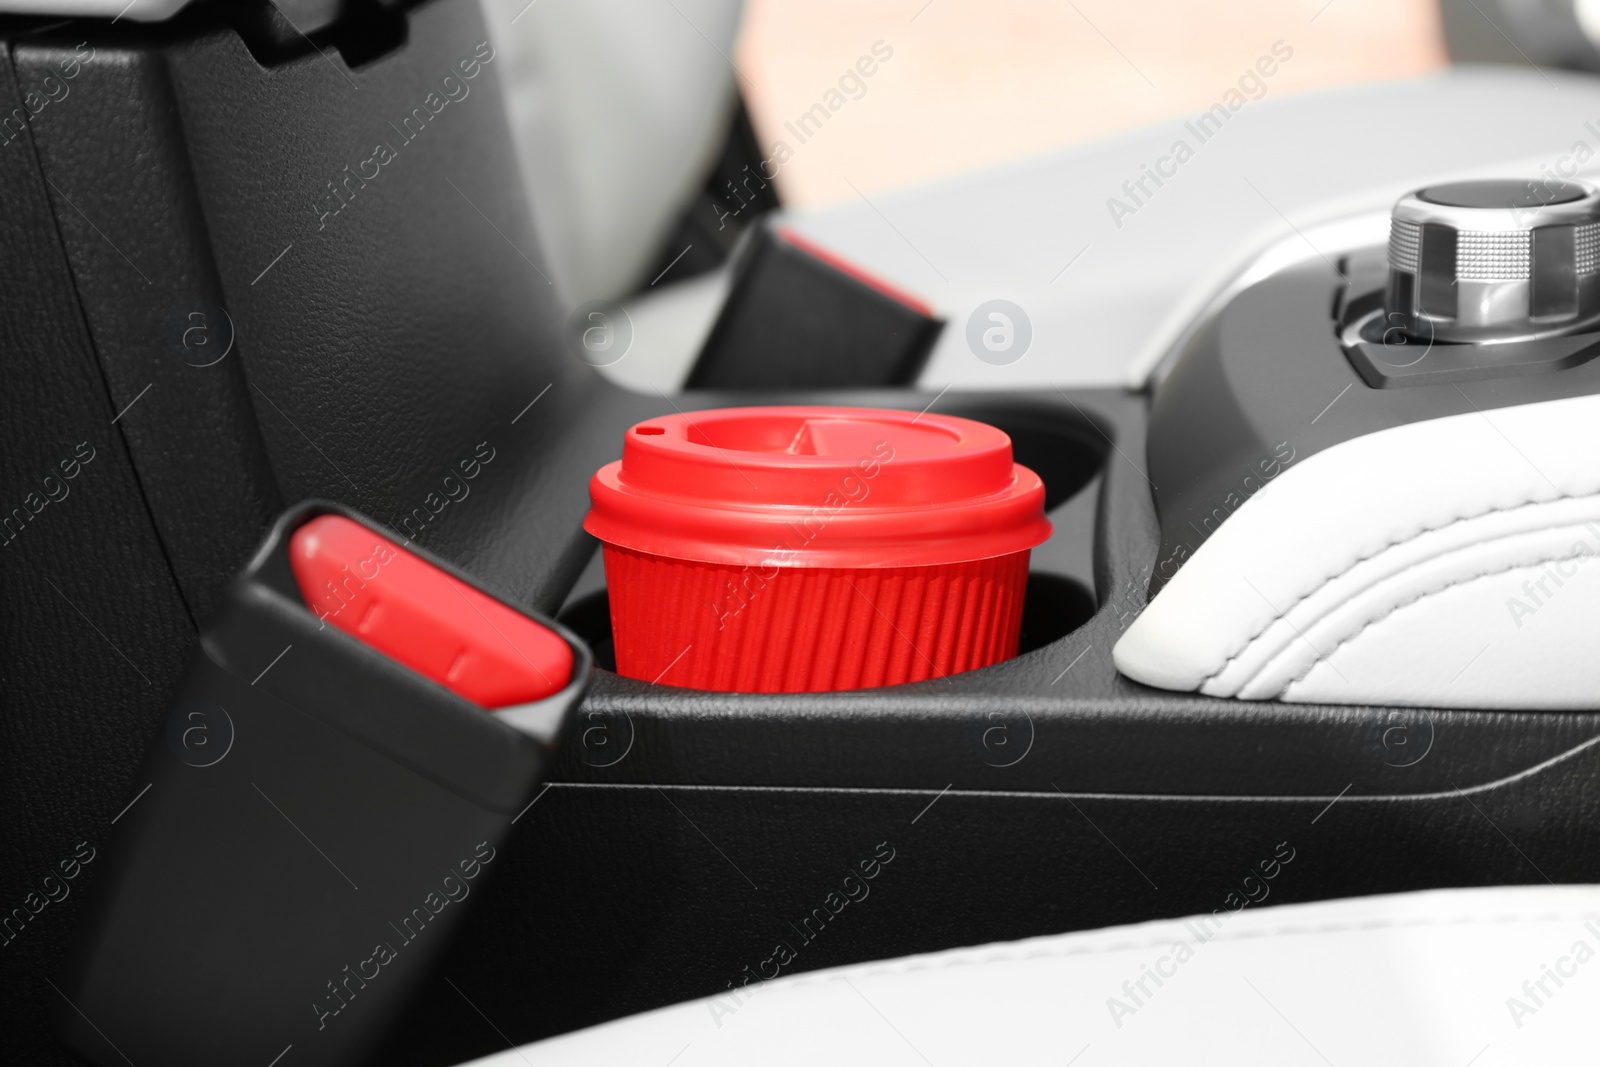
column 1244, row 646
column 1370, row 623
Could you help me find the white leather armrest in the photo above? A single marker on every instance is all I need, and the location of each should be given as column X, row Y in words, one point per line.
column 1453, row 562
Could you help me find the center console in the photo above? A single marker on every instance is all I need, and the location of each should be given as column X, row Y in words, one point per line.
column 390, row 330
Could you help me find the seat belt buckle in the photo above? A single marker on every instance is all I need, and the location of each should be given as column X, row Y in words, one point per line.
column 357, row 732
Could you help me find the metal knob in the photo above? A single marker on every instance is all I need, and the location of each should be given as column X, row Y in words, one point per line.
column 1488, row 261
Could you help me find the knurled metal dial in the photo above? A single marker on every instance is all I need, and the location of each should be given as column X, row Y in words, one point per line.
column 1499, row 260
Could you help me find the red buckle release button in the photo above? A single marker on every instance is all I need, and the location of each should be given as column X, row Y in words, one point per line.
column 411, row 611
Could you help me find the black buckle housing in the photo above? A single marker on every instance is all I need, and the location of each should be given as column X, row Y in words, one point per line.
column 315, row 817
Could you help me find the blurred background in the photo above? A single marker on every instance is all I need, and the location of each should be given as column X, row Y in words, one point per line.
column 655, row 133
column 972, row 84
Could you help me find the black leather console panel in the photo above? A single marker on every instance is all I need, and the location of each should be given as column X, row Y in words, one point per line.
column 377, row 346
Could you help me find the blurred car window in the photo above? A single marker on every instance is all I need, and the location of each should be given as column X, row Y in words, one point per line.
column 855, row 96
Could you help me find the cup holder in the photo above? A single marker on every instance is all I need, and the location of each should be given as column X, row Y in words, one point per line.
column 1056, row 442
column 1054, row 606
column 1059, row 443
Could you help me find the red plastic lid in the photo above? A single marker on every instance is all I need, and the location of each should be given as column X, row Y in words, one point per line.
column 817, row 487
column 415, row 613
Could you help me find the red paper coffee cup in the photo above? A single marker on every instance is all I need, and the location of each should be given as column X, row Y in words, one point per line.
column 799, row 549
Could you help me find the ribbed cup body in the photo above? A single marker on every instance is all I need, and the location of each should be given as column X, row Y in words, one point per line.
column 809, row 629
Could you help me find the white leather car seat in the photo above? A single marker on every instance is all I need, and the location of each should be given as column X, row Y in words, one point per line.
column 1454, row 977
